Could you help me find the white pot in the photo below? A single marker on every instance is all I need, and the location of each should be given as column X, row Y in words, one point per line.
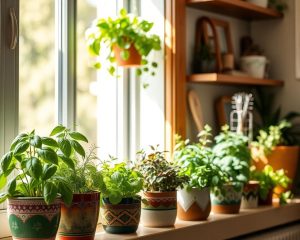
column 255, row 66
column 261, row 3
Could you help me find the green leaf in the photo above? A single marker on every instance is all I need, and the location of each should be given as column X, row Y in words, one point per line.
column 36, row 141
column 65, row 147
column 34, row 167
column 66, row 193
column 6, row 160
column 19, row 138
column 139, row 72
column 154, row 64
column 3, row 180
column 115, row 198
column 68, row 161
column 48, row 155
column 3, row 197
column 124, row 54
column 49, row 142
column 78, row 148
column 97, row 65
column 123, row 12
column 50, row 192
column 78, row 136
column 21, row 147
column 57, row 129
column 11, row 187
column 112, row 70
column 48, row 171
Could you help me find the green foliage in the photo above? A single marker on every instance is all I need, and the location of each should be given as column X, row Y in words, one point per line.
column 120, row 181
column 35, row 160
column 279, row 5
column 268, row 139
column 196, row 161
column 159, row 174
column 268, row 179
column 124, row 31
column 232, row 155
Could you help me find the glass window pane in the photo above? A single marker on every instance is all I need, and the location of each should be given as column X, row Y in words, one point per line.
column 37, row 65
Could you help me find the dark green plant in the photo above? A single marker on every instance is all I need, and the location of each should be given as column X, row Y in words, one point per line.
column 268, row 179
column 35, row 161
column 204, row 59
column 124, row 31
column 268, row 116
column 232, row 155
column 120, row 181
column 196, row 161
column 279, row 5
column 159, row 174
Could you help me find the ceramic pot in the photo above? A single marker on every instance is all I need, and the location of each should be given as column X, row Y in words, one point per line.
column 268, row 201
column 159, row 209
column 32, row 218
column 226, row 200
column 255, row 66
column 250, row 195
column 261, row 3
column 79, row 221
column 121, row 218
column 193, row 204
column 134, row 59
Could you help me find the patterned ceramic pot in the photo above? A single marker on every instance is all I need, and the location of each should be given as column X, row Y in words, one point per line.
column 32, row 218
column 121, row 218
column 226, row 200
column 194, row 204
column 79, row 221
column 159, row 209
column 250, row 195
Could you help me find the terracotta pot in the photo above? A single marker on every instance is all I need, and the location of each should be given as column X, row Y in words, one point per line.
column 268, row 201
column 121, row 218
column 159, row 209
column 79, row 221
column 32, row 218
column 282, row 157
column 134, row 59
column 194, row 204
column 250, row 195
column 226, row 200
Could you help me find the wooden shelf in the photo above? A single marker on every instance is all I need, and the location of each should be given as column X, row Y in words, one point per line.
column 217, row 78
column 235, row 8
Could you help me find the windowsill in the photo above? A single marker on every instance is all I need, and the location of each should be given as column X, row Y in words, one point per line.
column 218, row 226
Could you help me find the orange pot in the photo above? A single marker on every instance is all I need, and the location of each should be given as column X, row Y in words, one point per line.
column 134, row 59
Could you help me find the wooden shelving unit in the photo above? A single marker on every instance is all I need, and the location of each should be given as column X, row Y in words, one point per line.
column 217, row 78
column 235, row 8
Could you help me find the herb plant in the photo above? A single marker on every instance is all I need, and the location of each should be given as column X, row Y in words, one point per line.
column 159, row 174
column 196, row 161
column 124, row 31
column 35, row 160
column 268, row 179
column 232, row 155
column 120, row 181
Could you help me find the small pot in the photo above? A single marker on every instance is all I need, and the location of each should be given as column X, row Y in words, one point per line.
column 194, row 204
column 79, row 221
column 159, row 209
column 121, row 218
column 134, row 59
column 226, row 200
column 254, row 65
column 268, row 201
column 250, row 195
column 32, row 218
column 261, row 3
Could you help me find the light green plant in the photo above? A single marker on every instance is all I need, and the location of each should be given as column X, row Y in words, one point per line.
column 124, row 31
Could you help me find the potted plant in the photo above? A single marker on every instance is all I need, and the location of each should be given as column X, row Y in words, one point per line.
column 232, row 155
column 268, row 179
column 128, row 39
column 161, row 180
column 79, row 220
column 195, row 162
column 271, row 148
column 34, row 192
column 120, row 207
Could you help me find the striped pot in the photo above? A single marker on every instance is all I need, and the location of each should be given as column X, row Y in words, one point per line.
column 159, row 209
column 250, row 195
column 32, row 218
column 226, row 200
column 79, row 221
column 121, row 218
column 193, row 204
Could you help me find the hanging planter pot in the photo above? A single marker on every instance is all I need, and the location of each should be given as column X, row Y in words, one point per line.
column 159, row 209
column 79, row 221
column 32, row 218
column 250, row 195
column 226, row 199
column 121, row 218
column 134, row 58
column 193, row 204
